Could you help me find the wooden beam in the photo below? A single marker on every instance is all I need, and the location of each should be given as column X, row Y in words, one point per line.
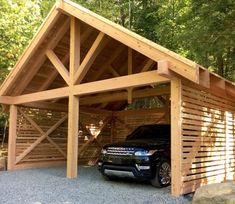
column 130, row 67
column 8, row 100
column 109, row 61
column 53, row 75
column 118, row 83
column 94, row 51
column 113, row 71
column 31, row 49
column 176, row 138
column 75, row 44
column 41, row 138
column 122, row 96
column 138, row 112
column 54, row 40
column 47, row 106
column 42, row 96
column 72, row 147
column 58, row 65
column 204, row 78
column 12, row 137
column 65, row 60
column 155, row 52
column 230, row 90
column 147, row 65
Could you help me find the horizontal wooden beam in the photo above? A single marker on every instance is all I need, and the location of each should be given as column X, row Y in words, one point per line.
column 6, row 100
column 122, row 96
column 139, row 112
column 118, row 83
column 42, row 96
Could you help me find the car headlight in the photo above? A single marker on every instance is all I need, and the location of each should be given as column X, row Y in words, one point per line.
column 103, row 151
column 145, row 152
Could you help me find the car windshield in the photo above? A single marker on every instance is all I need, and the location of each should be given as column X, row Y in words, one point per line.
column 150, row 133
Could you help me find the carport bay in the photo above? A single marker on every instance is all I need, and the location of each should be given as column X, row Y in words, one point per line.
column 80, row 65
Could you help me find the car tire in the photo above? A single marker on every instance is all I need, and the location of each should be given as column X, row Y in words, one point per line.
column 163, row 174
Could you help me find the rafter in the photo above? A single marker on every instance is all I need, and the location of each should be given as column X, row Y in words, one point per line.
column 95, row 49
column 58, row 65
column 31, row 49
column 147, row 65
column 62, row 29
column 106, row 65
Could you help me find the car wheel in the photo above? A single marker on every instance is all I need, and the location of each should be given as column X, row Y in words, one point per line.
column 163, row 174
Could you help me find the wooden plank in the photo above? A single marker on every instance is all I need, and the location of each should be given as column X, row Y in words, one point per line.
column 118, row 83
column 40, row 139
column 41, row 96
column 6, row 100
column 12, row 137
column 31, row 49
column 176, row 137
column 101, row 98
column 72, row 145
column 134, row 80
column 54, row 40
column 147, row 65
column 140, row 112
column 47, row 106
column 58, row 65
column 156, row 52
column 75, row 44
column 94, row 51
column 109, row 61
column 129, row 67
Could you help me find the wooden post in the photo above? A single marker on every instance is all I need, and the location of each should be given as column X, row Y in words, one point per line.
column 12, row 137
column 73, row 123
column 130, row 65
column 176, row 138
column 72, row 152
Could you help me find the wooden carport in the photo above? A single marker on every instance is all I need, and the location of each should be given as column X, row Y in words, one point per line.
column 82, row 64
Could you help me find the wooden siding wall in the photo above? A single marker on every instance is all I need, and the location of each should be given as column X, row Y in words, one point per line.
column 31, row 123
column 126, row 121
column 208, row 139
column 42, row 134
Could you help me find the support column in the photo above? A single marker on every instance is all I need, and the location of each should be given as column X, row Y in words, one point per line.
column 12, row 137
column 73, row 117
column 72, row 149
column 176, row 138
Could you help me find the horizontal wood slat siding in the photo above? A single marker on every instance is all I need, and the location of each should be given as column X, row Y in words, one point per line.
column 208, row 134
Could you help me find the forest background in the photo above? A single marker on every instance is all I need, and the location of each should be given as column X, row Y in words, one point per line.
column 201, row 30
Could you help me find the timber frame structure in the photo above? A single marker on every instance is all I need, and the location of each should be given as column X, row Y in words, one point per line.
column 68, row 93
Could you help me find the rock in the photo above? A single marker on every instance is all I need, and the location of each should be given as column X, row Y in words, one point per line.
column 219, row 193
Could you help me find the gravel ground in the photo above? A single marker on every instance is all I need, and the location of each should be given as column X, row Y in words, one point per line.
column 50, row 186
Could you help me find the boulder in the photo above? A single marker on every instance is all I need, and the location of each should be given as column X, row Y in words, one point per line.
column 219, row 193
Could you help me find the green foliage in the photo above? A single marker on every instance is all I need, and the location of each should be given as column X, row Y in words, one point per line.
column 18, row 22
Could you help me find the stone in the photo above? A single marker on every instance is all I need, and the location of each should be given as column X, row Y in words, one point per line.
column 219, row 193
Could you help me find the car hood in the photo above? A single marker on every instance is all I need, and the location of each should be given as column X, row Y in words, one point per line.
column 140, row 144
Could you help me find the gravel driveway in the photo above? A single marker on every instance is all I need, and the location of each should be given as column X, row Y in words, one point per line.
column 49, row 186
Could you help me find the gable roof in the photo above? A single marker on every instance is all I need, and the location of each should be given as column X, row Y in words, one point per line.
column 57, row 24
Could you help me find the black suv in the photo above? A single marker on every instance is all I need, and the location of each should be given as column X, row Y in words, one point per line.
column 144, row 155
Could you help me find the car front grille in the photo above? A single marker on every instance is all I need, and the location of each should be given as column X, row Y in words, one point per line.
column 120, row 151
